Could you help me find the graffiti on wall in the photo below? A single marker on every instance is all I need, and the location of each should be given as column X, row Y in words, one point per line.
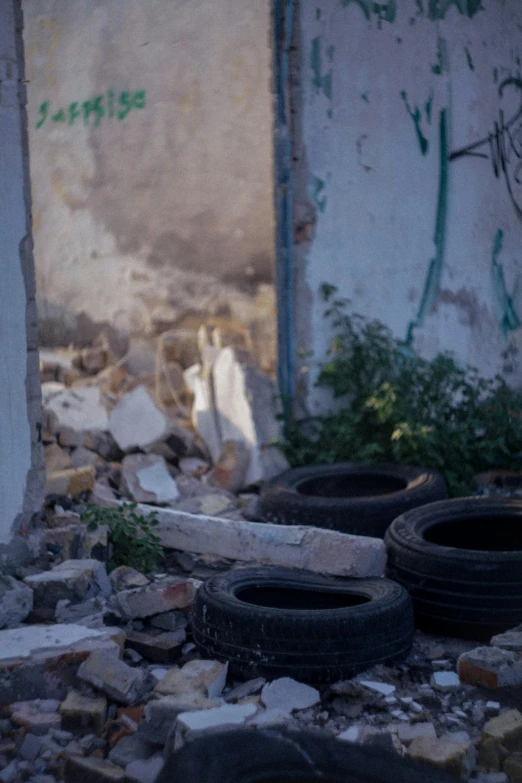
column 502, row 147
column 386, row 10
column 92, row 111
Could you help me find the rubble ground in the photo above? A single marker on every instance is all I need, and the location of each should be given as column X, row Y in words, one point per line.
column 99, row 676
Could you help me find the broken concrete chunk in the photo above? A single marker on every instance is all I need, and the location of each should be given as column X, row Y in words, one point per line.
column 511, row 640
column 71, row 481
column 37, row 716
column 130, row 748
column 230, row 469
column 126, row 578
column 136, row 422
column 378, row 687
column 245, row 689
column 145, row 771
column 155, row 598
column 160, row 714
column 56, row 458
column 491, row 667
column 407, row 734
column 82, row 714
column 239, row 407
column 445, row 681
column 74, row 580
column 16, row 601
column 102, row 443
column 160, row 648
column 146, row 479
column 200, row 676
column 455, row 758
column 191, row 723
column 169, row 621
column 314, row 549
column 119, row 681
column 287, row 695
column 80, row 409
column 506, row 730
column 83, row 458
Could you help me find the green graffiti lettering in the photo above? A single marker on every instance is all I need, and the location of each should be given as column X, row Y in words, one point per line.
column 468, row 58
column 442, row 58
column 436, row 265
column 415, row 114
column 98, row 109
column 386, row 11
column 321, row 82
column 318, row 185
column 437, row 9
column 504, row 304
column 44, row 110
column 74, row 112
column 59, row 116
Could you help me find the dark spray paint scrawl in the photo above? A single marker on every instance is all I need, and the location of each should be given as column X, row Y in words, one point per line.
column 502, row 147
column 321, row 82
column 384, row 11
column 416, row 116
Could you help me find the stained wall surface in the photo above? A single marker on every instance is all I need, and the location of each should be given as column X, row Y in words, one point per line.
column 151, row 153
column 409, row 152
column 21, row 456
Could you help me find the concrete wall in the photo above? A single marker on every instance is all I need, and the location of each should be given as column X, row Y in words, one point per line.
column 151, row 156
column 21, row 455
column 408, row 146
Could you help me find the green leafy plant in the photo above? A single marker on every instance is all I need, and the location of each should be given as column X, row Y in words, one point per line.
column 394, row 405
column 131, row 536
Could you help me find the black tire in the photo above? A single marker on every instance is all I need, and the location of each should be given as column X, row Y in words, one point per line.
column 349, row 496
column 254, row 618
column 461, row 560
column 280, row 755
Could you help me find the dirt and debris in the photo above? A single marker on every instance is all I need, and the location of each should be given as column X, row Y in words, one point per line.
column 99, row 676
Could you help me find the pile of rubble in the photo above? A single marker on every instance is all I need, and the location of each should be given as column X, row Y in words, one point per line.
column 99, row 677
column 114, row 683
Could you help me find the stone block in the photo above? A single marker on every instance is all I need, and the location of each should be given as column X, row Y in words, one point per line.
column 136, row 422
column 455, row 758
column 160, row 648
column 169, row 621
column 511, row 640
column 513, row 768
column 129, row 749
column 81, row 409
column 119, row 681
column 192, row 723
column 16, row 601
column 160, row 714
column 56, row 458
column 127, row 578
column 506, row 730
column 72, row 481
column 83, row 714
column 491, row 667
column 244, row 690
column 408, row 733
column 206, row 677
column 146, row 479
column 287, row 695
column 37, row 716
column 82, row 458
column 230, row 469
column 155, row 598
column 444, row 681
column 41, row 661
column 145, row 771
column 72, row 580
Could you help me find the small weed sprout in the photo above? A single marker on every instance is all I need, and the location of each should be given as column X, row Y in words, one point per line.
column 131, row 535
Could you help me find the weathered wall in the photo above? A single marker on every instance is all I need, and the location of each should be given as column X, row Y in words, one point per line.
column 151, row 156
column 408, row 147
column 21, row 456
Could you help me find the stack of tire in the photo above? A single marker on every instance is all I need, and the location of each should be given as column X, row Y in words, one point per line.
column 460, row 560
